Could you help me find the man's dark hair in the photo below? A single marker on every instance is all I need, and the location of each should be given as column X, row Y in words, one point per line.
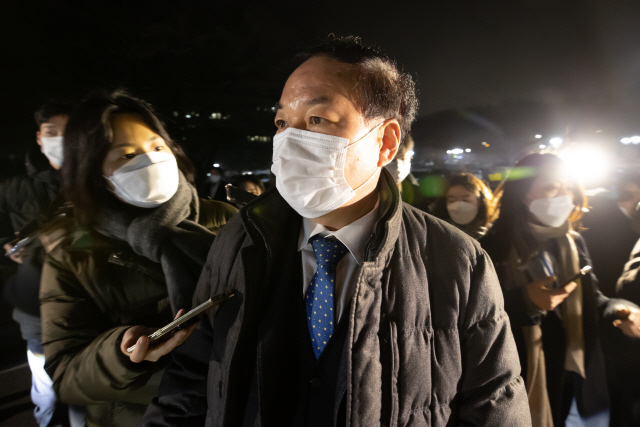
column 50, row 109
column 386, row 92
column 87, row 139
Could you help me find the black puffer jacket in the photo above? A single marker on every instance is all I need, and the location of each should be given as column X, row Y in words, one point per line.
column 25, row 198
column 428, row 341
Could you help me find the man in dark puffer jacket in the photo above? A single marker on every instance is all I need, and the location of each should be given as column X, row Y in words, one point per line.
column 26, row 201
column 420, row 336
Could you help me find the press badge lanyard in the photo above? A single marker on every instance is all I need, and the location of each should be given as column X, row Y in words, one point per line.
column 547, row 267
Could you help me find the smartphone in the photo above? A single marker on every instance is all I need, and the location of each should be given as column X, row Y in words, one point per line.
column 187, row 319
column 236, row 195
column 21, row 244
column 584, row 270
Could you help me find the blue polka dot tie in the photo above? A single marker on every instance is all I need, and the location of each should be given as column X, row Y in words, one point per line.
column 319, row 296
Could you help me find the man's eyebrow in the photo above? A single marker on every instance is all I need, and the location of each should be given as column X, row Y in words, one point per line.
column 313, row 101
column 319, row 100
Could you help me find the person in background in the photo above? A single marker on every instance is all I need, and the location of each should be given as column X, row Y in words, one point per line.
column 556, row 320
column 609, row 232
column 250, row 184
column 353, row 308
column 400, row 169
column 124, row 262
column 213, row 186
column 26, row 202
column 468, row 204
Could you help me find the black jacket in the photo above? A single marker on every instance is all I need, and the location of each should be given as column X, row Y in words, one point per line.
column 428, row 341
column 598, row 312
column 25, row 198
column 610, row 238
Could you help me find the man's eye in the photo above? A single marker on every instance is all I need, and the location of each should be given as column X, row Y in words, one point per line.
column 129, row 156
column 315, row 120
column 280, row 124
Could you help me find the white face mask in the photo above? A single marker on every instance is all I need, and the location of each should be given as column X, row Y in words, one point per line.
column 552, row 212
column 462, row 212
column 53, row 148
column 309, row 168
column 148, row 180
column 399, row 169
column 214, row 179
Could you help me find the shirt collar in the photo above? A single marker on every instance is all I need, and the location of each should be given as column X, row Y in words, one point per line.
column 354, row 236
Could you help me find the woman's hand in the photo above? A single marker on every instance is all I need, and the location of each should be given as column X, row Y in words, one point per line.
column 628, row 319
column 16, row 256
column 138, row 335
column 546, row 298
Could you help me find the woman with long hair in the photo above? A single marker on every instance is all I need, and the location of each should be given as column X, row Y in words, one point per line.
column 555, row 319
column 467, row 203
column 126, row 260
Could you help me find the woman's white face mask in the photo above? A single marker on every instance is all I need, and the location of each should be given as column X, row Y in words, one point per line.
column 552, row 212
column 148, row 180
column 309, row 170
column 462, row 213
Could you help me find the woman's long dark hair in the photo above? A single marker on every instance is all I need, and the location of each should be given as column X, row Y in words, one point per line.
column 87, row 139
column 511, row 229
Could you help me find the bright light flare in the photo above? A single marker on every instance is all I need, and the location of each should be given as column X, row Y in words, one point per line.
column 626, row 141
column 635, row 140
column 538, row 136
column 216, row 165
column 555, row 142
column 589, row 165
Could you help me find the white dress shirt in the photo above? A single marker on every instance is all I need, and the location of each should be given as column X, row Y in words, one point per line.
column 355, row 237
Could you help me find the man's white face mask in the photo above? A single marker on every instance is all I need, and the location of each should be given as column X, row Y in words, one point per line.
column 148, row 180
column 309, row 168
column 53, row 148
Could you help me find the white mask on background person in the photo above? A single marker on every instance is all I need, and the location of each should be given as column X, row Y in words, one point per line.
column 214, row 179
column 462, row 213
column 148, row 180
column 53, row 148
column 399, row 169
column 309, row 170
column 552, row 212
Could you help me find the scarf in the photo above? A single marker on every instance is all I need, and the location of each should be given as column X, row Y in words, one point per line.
column 571, row 312
column 169, row 235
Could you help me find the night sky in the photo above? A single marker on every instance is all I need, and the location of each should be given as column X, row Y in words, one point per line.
column 233, row 58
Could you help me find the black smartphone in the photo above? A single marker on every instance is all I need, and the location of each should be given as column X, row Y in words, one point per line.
column 584, row 270
column 187, row 319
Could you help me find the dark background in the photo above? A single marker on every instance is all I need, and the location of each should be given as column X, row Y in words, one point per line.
column 499, row 71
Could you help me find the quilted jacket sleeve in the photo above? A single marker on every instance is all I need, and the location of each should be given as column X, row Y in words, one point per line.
column 492, row 390
column 82, row 348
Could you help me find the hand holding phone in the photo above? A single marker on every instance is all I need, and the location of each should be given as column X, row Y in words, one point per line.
column 584, row 270
column 171, row 334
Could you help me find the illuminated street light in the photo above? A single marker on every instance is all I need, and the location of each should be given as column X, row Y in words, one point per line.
column 468, row 150
column 538, row 136
column 216, row 165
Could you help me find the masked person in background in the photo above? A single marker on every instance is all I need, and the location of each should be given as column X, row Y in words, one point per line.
column 350, row 304
column 556, row 321
column 468, row 204
column 213, row 186
column 26, row 201
column 400, row 169
column 124, row 261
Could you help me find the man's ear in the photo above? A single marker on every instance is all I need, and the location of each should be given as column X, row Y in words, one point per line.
column 391, row 135
column 38, row 140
